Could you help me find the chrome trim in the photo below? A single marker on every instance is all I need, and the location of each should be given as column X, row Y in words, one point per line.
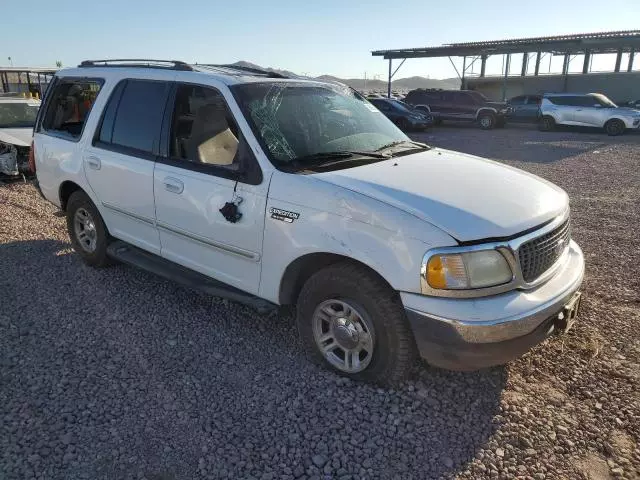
column 210, row 243
column 144, row 219
column 509, row 250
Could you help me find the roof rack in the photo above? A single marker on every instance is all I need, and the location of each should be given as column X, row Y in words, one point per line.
column 240, row 68
column 137, row 62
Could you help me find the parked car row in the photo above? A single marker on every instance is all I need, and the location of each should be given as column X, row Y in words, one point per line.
column 546, row 110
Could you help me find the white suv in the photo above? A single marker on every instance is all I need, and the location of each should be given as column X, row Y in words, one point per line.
column 274, row 191
column 586, row 110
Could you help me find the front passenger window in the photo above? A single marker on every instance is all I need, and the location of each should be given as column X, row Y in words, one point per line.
column 203, row 130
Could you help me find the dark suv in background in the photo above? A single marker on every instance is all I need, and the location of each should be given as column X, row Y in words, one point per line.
column 403, row 115
column 466, row 105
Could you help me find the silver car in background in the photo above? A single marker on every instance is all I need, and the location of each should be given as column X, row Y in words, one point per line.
column 586, row 110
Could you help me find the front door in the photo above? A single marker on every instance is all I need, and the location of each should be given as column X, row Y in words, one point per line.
column 119, row 163
column 196, row 177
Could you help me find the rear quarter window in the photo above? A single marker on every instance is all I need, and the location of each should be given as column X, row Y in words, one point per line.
column 69, row 105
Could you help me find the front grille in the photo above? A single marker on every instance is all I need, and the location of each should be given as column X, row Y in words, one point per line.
column 538, row 255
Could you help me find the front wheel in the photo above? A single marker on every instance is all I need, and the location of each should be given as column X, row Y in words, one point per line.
column 547, row 123
column 614, row 127
column 487, row 121
column 352, row 322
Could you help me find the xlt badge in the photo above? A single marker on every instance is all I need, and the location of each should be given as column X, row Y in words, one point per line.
column 283, row 215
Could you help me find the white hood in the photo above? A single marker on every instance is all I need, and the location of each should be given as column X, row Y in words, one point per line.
column 468, row 197
column 20, row 137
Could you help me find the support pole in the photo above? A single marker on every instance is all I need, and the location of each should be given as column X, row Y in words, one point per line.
column 537, row 69
column 389, row 83
column 618, row 61
column 565, row 64
column 587, row 61
column 29, row 82
column 507, row 63
column 483, row 65
column 630, row 64
column 525, row 64
column 464, row 68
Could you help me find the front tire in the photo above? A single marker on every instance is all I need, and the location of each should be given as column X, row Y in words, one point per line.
column 487, row 121
column 87, row 231
column 547, row 123
column 614, row 127
column 352, row 322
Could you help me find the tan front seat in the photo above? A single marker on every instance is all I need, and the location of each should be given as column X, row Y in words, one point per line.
column 211, row 141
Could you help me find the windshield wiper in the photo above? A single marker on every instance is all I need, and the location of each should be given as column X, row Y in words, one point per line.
column 321, row 159
column 320, row 156
column 397, row 143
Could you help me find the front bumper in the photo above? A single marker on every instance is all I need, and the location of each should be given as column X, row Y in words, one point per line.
column 468, row 334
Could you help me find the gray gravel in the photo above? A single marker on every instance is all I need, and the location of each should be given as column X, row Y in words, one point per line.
column 109, row 374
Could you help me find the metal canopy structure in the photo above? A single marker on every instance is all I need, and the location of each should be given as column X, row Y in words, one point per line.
column 587, row 44
column 25, row 79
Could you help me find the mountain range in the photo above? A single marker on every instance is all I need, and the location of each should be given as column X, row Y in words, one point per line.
column 359, row 83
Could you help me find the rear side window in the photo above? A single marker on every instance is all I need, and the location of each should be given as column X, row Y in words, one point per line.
column 69, row 106
column 534, row 100
column 138, row 116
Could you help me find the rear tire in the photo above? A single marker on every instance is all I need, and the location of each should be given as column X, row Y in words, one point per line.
column 547, row 123
column 614, row 127
column 87, row 231
column 487, row 121
column 360, row 323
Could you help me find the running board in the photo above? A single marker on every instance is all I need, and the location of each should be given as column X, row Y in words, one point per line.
column 144, row 260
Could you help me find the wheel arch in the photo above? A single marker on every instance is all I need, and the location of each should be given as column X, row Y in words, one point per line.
column 302, row 268
column 66, row 189
column 482, row 110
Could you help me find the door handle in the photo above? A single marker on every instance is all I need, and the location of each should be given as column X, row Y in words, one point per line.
column 173, row 185
column 93, row 163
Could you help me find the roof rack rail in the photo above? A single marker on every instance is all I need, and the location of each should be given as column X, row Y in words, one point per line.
column 137, row 62
column 257, row 71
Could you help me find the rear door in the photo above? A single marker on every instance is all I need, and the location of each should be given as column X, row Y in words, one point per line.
column 119, row 162
column 197, row 175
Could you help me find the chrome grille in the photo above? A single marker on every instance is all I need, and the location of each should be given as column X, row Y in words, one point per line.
column 538, row 255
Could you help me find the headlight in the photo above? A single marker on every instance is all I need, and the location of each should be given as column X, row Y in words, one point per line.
column 466, row 270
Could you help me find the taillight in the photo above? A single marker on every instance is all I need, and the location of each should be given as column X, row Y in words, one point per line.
column 32, row 158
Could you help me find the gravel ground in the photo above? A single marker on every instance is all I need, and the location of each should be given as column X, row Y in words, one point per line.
column 109, row 374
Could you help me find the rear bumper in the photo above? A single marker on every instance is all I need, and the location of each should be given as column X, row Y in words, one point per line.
column 468, row 334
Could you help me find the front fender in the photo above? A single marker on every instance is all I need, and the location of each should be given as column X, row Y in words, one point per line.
column 345, row 223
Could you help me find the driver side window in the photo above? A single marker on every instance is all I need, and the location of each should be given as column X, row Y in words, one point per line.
column 202, row 128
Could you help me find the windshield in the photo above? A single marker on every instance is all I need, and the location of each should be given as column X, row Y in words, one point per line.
column 604, row 101
column 402, row 106
column 298, row 120
column 18, row 114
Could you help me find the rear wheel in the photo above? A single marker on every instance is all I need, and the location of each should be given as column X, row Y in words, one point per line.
column 614, row 127
column 87, row 231
column 487, row 121
column 353, row 323
column 547, row 123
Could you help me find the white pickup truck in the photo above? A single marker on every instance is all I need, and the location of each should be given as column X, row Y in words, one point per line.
column 284, row 191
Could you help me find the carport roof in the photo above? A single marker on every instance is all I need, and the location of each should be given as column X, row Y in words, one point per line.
column 599, row 42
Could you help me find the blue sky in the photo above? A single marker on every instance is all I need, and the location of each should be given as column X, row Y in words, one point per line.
column 329, row 36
